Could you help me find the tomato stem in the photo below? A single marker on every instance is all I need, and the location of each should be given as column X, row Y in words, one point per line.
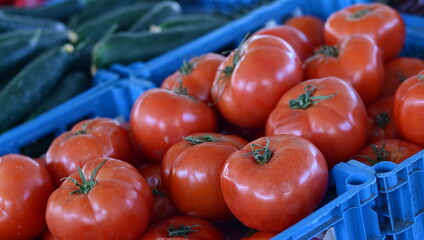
column 262, row 154
column 188, row 67
column 382, row 120
column 181, row 231
column 305, row 100
column 328, row 51
column 86, row 185
column 201, row 139
column 359, row 14
column 381, row 154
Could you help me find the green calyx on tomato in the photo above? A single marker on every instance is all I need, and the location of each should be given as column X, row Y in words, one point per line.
column 382, row 120
column 201, row 139
column 188, row 67
column 359, row 14
column 305, row 100
column 328, row 51
column 381, row 154
column 181, row 231
column 86, row 185
column 262, row 154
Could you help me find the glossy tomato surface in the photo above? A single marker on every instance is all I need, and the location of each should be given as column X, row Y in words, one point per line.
column 311, row 26
column 355, row 59
column 160, row 117
column 25, row 186
column 275, row 181
column 182, row 228
column 380, row 120
column 408, row 109
column 118, row 204
column 250, row 81
column 196, row 75
column 191, row 170
column 87, row 140
column 376, row 20
column 326, row 111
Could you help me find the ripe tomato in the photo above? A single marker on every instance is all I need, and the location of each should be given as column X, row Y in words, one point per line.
column 380, row 120
column 87, row 140
column 376, row 20
column 270, row 184
column 292, row 36
column 388, row 149
column 311, row 26
column 328, row 112
column 196, row 75
column 112, row 201
column 163, row 207
column 191, row 171
column 363, row 69
column 25, row 187
column 398, row 70
column 28, row 3
column 250, row 81
column 260, row 236
column 181, row 228
column 160, row 117
column 408, row 109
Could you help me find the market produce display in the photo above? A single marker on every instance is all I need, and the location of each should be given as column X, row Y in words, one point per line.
column 235, row 144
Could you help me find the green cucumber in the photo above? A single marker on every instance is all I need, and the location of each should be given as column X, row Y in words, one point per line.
column 16, row 52
column 157, row 14
column 192, row 20
column 68, row 87
column 12, row 22
column 126, row 48
column 59, row 10
column 122, row 17
column 26, row 90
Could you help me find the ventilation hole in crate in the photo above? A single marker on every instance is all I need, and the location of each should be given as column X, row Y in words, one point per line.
column 384, row 167
column 38, row 147
column 357, row 179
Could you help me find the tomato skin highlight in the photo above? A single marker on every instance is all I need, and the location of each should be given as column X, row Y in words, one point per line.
column 408, row 109
column 25, row 187
column 267, row 67
column 376, row 20
column 259, row 194
column 363, row 69
column 337, row 126
column 118, row 206
column 159, row 118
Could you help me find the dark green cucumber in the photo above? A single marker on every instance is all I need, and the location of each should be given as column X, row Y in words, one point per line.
column 68, row 87
column 59, row 10
column 26, row 90
column 122, row 17
column 191, row 20
column 157, row 14
column 16, row 52
column 12, row 22
column 126, row 48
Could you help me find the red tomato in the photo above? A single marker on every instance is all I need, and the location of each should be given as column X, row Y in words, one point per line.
column 363, row 69
column 181, row 228
column 311, row 26
column 380, row 120
column 112, row 201
column 250, row 81
column 388, row 149
column 270, row 184
column 25, row 187
column 328, row 112
column 260, row 236
column 163, row 207
column 191, row 171
column 87, row 140
column 196, row 75
column 28, row 3
column 398, row 70
column 292, row 36
column 160, row 117
column 408, row 109
column 376, row 20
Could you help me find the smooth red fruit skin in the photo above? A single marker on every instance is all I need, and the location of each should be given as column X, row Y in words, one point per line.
column 311, row 26
column 382, row 23
column 25, row 186
column 159, row 118
column 271, row 197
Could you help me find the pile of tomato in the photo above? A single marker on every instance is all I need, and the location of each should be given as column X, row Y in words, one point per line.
column 243, row 140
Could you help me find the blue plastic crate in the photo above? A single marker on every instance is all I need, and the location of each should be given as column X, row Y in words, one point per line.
column 110, row 100
column 400, row 203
